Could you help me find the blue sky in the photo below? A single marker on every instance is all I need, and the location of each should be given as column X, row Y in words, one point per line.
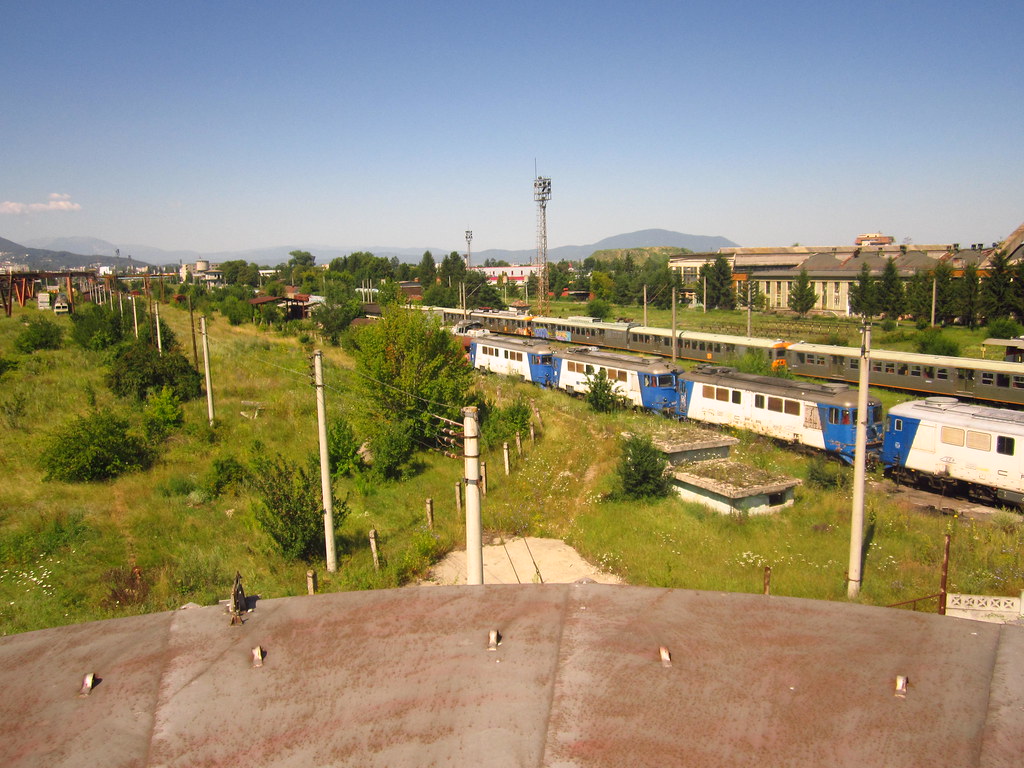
column 230, row 125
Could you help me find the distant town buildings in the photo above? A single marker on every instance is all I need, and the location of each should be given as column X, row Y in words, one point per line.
column 832, row 269
column 514, row 273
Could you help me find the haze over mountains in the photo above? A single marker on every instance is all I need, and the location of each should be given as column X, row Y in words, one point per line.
column 56, row 252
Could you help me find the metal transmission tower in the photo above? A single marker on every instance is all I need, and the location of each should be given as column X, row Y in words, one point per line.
column 469, row 253
column 541, row 194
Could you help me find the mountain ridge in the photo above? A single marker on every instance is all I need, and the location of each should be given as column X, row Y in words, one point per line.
column 58, row 252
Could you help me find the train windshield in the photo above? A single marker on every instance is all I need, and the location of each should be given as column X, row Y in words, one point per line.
column 664, row 380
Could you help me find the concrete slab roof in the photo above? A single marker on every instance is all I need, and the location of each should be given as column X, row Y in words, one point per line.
column 405, row 677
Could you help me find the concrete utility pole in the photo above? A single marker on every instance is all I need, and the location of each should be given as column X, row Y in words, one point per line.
column 749, row 305
column 645, row 305
column 325, row 463
column 935, row 283
column 206, row 366
column 159, row 337
column 853, row 578
column 674, row 336
column 474, row 534
column 135, row 317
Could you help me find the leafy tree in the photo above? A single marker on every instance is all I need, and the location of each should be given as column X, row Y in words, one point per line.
column 291, row 510
column 802, row 297
column 334, row 317
column 919, row 296
column 641, row 470
column 301, row 259
column 891, row 298
column 94, row 447
column 236, row 310
column 864, row 293
column 163, row 413
column 391, row 447
column 410, row 369
column 602, row 394
column 96, row 327
column 500, row 424
column 40, row 333
column 1004, row 328
column 934, row 342
column 342, row 448
column 602, row 285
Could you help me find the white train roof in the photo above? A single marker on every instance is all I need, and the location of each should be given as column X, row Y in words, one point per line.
column 950, row 411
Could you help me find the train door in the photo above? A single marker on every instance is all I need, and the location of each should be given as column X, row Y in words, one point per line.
column 965, row 381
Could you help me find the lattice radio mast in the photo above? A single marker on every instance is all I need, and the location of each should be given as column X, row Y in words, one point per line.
column 541, row 194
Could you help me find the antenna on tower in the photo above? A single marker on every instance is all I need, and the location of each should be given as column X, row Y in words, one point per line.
column 541, row 194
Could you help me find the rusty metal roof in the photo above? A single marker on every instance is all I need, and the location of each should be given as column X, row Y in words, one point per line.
column 405, row 677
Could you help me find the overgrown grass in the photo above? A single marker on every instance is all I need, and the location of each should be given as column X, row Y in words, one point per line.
column 155, row 540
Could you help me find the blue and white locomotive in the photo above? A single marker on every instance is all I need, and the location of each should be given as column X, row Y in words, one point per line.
column 947, row 445
column 530, row 360
column 820, row 416
column 646, row 382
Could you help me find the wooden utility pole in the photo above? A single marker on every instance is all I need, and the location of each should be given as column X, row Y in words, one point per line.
column 325, row 463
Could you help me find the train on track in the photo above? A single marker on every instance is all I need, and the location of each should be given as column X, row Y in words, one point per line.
column 988, row 381
column 939, row 442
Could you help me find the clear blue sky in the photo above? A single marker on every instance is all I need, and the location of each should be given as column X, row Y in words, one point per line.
column 230, row 125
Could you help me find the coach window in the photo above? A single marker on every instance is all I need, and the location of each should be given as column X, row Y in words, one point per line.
column 709, row 392
column 890, row 367
column 979, row 441
column 877, row 366
column 1018, row 382
column 915, row 370
column 1004, row 445
column 988, row 379
column 897, row 425
column 967, row 374
column 929, row 372
column 903, row 369
column 736, row 396
column 952, row 436
column 854, row 363
column 833, row 415
column 722, row 394
column 775, row 404
column 942, row 374
column 1002, row 379
column 792, row 407
column 759, row 401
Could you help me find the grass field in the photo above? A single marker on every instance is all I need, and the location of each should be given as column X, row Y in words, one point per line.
column 154, row 540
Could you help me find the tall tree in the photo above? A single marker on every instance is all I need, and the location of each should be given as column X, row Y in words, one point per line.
column 891, row 297
column 997, row 288
column 864, row 293
column 427, row 270
column 968, row 294
column 919, row 296
column 802, row 297
column 945, row 293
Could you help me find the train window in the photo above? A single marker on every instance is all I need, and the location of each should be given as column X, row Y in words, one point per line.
column 942, row 374
column 835, row 359
column 736, row 396
column 915, row 370
column 1004, row 445
column 897, row 425
column 1002, row 380
column 890, row 367
column 952, row 436
column 967, row 374
column 877, row 366
column 988, row 379
column 929, row 372
column 833, row 415
column 801, row 358
column 722, row 394
column 792, row 407
column 854, row 363
column 903, row 369
column 979, row 441
column 1018, row 382
column 775, row 404
column 759, row 401
column 709, row 392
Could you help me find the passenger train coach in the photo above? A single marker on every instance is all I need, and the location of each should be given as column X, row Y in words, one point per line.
column 948, row 445
column 993, row 381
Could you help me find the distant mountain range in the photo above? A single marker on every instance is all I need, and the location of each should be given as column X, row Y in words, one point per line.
column 63, row 252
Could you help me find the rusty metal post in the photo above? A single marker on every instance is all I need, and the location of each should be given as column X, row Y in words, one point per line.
column 767, row 580
column 945, row 574
column 430, row 514
column 373, row 549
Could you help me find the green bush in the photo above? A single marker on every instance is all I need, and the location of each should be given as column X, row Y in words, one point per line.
column 138, row 368
column 96, row 327
column 342, row 448
column 392, row 447
column 641, row 470
column 225, row 473
column 40, row 333
column 933, row 342
column 163, row 414
column 599, row 308
column 290, row 510
column 94, row 447
column 1004, row 328
column 601, row 393
column 830, row 475
column 6, row 365
column 501, row 424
